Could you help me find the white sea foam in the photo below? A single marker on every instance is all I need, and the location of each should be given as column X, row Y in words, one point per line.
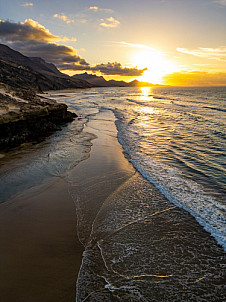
column 123, row 257
column 183, row 192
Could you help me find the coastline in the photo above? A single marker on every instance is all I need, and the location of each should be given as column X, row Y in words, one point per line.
column 96, row 185
column 134, row 235
column 42, row 254
column 25, row 116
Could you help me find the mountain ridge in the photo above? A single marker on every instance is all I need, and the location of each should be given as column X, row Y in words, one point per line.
column 33, row 72
column 101, row 82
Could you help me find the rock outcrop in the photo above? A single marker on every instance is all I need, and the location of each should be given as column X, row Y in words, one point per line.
column 26, row 120
column 23, row 115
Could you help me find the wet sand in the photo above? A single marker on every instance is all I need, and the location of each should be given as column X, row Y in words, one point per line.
column 93, row 180
column 40, row 253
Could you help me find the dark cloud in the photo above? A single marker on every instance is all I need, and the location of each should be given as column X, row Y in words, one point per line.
column 117, row 69
column 74, row 67
column 23, row 31
column 52, row 52
column 34, row 40
column 106, row 69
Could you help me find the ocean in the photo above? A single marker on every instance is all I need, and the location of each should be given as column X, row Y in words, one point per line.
column 175, row 138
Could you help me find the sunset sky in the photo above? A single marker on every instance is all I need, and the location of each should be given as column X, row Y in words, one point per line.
column 176, row 42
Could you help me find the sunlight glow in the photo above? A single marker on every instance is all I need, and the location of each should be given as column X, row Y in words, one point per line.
column 156, row 63
column 145, row 91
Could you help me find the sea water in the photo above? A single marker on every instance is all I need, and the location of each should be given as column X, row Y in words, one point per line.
column 176, row 138
column 147, row 249
column 144, row 245
column 39, row 164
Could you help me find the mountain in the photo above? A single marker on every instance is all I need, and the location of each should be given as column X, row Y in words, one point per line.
column 35, row 63
column 101, row 82
column 137, row 83
column 42, row 66
column 92, row 79
column 18, row 70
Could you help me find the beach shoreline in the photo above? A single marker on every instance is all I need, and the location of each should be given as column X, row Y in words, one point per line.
column 42, row 254
column 44, row 235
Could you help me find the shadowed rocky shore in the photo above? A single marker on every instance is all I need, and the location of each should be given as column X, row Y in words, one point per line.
column 25, row 117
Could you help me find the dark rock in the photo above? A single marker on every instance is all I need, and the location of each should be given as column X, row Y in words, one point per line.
column 24, row 115
column 32, row 120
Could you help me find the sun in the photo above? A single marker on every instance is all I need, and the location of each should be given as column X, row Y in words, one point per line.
column 156, row 63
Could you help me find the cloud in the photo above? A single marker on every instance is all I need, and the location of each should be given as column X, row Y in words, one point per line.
column 195, row 78
column 68, row 20
column 209, row 53
column 142, row 46
column 52, row 52
column 74, row 67
column 96, row 9
column 136, row 45
column 221, row 2
column 109, row 22
column 117, row 69
column 64, row 18
column 27, row 4
column 27, row 30
column 33, row 39
column 106, row 69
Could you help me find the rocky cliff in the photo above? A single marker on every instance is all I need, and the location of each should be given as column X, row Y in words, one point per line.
column 26, row 120
column 23, row 115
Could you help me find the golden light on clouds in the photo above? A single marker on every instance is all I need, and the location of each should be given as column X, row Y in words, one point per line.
column 64, row 18
column 39, row 32
column 156, row 63
column 204, row 52
column 109, row 22
column 94, row 8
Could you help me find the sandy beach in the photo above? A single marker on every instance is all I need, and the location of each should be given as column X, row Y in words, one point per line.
column 135, row 240
column 40, row 250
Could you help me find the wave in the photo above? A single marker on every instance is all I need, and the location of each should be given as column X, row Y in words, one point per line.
column 183, row 192
column 214, row 108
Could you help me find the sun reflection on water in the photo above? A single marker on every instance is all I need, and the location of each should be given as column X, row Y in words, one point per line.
column 146, row 110
column 144, row 93
column 145, row 114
